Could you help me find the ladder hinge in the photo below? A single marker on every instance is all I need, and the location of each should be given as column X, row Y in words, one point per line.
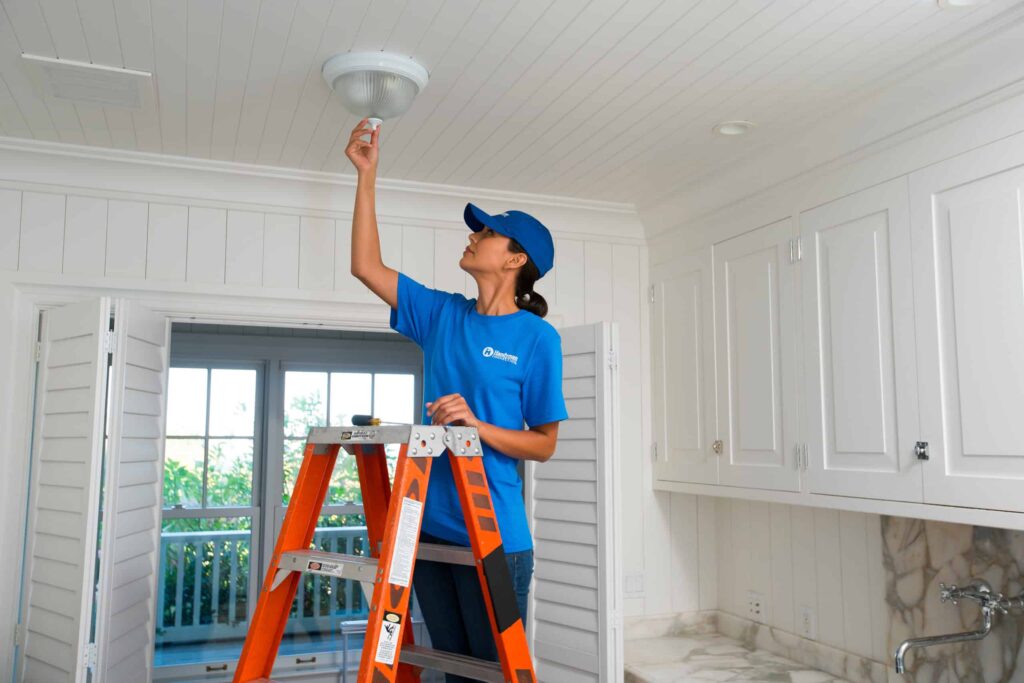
column 650, row 294
column 39, row 351
column 796, row 249
column 89, row 657
column 109, row 342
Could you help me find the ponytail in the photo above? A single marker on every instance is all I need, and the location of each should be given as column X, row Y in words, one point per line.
column 526, row 298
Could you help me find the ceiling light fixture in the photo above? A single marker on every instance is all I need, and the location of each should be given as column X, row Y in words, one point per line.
column 733, row 127
column 376, row 85
column 957, row 4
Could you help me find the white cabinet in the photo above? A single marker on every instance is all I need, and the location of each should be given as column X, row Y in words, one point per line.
column 968, row 235
column 897, row 323
column 756, row 379
column 860, row 392
column 684, row 382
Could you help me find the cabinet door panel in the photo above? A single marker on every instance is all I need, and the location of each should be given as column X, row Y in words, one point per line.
column 969, row 272
column 861, row 395
column 682, row 344
column 756, row 378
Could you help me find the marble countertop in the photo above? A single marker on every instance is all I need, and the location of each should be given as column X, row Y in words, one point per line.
column 711, row 657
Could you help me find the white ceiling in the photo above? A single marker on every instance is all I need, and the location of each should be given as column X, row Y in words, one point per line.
column 606, row 99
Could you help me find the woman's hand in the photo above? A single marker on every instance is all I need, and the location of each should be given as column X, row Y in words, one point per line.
column 452, row 409
column 363, row 154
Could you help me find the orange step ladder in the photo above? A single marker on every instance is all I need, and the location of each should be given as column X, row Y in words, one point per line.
column 393, row 518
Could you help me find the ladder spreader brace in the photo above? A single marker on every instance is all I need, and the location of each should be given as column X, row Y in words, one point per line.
column 390, row 654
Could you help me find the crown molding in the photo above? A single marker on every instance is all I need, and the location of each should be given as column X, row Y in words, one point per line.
column 105, row 154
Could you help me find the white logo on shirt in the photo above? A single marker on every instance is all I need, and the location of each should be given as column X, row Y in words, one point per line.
column 505, row 215
column 490, row 352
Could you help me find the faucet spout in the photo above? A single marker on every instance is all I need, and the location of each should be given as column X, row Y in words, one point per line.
column 906, row 645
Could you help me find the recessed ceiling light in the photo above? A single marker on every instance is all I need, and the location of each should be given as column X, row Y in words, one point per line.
column 733, row 127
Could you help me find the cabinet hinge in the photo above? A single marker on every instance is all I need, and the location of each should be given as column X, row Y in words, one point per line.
column 800, row 451
column 650, row 294
column 39, row 351
column 796, row 249
column 89, row 657
column 654, row 451
column 19, row 635
column 613, row 360
column 109, row 342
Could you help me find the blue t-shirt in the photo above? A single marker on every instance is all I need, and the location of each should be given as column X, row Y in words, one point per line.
column 509, row 370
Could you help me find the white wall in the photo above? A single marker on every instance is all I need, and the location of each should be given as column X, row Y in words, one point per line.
column 267, row 245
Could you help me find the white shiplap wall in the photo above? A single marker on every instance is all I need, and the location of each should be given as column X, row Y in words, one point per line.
column 136, row 223
column 829, row 561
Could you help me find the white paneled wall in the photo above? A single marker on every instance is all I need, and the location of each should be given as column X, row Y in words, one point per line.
column 802, row 558
column 215, row 233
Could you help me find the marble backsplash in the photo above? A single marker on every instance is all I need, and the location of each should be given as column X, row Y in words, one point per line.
column 919, row 555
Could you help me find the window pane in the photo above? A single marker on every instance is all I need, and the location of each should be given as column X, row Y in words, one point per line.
column 345, row 481
column 183, row 473
column 232, row 402
column 305, row 402
column 351, row 394
column 203, row 596
column 186, row 402
column 393, row 399
column 229, row 477
column 291, row 461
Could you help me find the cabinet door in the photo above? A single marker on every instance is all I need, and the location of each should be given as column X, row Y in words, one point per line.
column 755, row 330
column 968, row 237
column 682, row 343
column 861, row 397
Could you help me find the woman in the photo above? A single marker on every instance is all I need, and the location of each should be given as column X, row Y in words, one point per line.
column 492, row 363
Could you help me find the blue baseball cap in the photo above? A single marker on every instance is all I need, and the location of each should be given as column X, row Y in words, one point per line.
column 522, row 227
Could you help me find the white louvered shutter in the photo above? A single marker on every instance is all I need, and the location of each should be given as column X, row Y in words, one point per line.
column 131, row 504
column 64, row 493
column 575, row 602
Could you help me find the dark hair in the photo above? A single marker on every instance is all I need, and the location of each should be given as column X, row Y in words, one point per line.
column 527, row 276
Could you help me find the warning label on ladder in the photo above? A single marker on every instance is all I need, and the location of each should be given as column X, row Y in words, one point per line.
column 390, row 631
column 405, row 542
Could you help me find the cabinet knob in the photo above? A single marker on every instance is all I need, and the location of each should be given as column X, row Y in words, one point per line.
column 718, row 447
column 921, row 450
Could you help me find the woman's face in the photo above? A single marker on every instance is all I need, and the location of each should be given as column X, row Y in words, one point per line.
column 487, row 252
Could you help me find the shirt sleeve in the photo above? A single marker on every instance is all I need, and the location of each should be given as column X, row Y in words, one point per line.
column 543, row 401
column 418, row 309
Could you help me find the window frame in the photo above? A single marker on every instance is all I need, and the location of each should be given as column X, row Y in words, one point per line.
column 244, row 347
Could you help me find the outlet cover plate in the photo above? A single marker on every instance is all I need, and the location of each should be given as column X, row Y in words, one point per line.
column 807, row 622
column 756, row 606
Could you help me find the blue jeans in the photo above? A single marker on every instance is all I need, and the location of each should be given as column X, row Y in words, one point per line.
column 453, row 604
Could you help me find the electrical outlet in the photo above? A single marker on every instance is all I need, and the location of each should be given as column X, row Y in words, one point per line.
column 807, row 622
column 755, row 605
column 634, row 584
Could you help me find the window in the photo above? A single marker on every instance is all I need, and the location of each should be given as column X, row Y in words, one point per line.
column 209, row 511
column 239, row 409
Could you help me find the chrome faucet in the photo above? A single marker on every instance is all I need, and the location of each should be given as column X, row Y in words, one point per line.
column 977, row 590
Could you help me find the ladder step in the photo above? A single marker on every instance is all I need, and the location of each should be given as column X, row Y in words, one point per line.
column 336, row 565
column 449, row 554
column 448, row 662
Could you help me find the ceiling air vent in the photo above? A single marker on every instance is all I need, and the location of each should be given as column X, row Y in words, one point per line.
column 80, row 82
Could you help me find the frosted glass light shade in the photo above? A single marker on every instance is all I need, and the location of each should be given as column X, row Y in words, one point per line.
column 377, row 85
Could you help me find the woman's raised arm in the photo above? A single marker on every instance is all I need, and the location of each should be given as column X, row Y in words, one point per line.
column 367, row 265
